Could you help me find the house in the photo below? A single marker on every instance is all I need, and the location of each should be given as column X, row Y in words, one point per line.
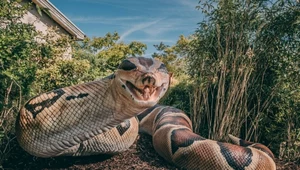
column 52, row 18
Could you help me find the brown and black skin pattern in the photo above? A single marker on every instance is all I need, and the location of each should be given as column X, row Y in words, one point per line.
column 258, row 146
column 99, row 117
column 175, row 141
column 94, row 117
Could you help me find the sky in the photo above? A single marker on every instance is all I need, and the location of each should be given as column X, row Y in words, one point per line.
column 146, row 21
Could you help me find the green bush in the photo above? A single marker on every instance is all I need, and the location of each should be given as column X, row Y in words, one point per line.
column 245, row 64
column 179, row 96
column 32, row 63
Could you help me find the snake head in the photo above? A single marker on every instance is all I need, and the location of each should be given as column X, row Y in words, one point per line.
column 142, row 80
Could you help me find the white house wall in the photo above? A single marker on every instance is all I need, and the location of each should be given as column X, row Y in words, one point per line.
column 43, row 23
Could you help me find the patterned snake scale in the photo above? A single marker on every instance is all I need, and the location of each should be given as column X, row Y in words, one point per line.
column 105, row 116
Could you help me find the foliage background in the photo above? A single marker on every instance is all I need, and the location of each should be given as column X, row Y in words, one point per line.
column 238, row 73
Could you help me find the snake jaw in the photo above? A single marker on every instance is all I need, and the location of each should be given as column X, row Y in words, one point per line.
column 142, row 81
column 145, row 93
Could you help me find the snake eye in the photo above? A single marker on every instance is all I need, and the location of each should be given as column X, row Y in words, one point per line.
column 163, row 68
column 127, row 65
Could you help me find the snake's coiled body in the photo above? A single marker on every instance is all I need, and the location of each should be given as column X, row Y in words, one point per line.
column 69, row 118
column 175, row 141
column 99, row 117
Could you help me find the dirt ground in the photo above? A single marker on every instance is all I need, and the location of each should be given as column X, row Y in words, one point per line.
column 140, row 156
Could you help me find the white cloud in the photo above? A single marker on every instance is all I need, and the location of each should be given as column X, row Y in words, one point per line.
column 146, row 40
column 138, row 27
column 189, row 3
column 104, row 20
column 116, row 3
column 170, row 25
column 158, row 30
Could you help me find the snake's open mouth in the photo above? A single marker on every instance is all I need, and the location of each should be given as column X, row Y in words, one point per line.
column 145, row 93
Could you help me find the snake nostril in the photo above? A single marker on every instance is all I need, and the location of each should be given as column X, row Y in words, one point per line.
column 148, row 80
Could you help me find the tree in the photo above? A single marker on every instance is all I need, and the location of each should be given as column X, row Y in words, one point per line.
column 17, row 47
column 32, row 62
column 106, row 53
column 17, row 70
column 174, row 58
column 245, row 63
column 278, row 44
column 221, row 63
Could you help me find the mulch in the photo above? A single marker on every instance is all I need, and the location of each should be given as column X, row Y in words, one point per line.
column 140, row 156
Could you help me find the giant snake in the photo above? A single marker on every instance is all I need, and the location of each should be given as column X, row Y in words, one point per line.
column 105, row 116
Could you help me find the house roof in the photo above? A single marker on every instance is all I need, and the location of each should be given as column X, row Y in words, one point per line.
column 61, row 19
